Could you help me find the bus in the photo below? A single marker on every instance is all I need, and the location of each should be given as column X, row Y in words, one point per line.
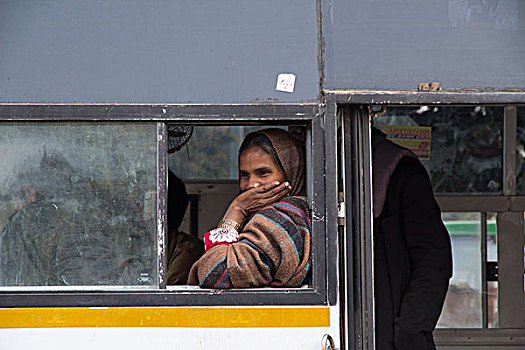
column 99, row 99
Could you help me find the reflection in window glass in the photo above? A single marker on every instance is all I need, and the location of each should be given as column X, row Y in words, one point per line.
column 462, row 150
column 211, row 153
column 462, row 307
column 78, row 204
column 520, row 144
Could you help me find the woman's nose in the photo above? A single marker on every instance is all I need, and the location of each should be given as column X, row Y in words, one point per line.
column 253, row 180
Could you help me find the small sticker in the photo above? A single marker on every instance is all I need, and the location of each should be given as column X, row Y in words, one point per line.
column 285, row 82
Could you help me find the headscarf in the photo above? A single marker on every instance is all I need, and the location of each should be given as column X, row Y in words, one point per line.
column 291, row 155
column 385, row 157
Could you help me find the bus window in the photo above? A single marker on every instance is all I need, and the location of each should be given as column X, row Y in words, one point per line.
column 207, row 163
column 461, row 147
column 83, row 209
column 78, row 205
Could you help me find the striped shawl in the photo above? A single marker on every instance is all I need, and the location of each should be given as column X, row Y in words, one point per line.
column 273, row 250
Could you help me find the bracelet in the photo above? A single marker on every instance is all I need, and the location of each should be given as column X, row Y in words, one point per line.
column 230, row 223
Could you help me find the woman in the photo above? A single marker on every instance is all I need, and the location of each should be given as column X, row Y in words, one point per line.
column 264, row 237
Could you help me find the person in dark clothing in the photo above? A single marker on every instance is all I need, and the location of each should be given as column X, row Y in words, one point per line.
column 183, row 249
column 412, row 251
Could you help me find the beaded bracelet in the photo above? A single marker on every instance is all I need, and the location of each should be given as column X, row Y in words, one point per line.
column 230, row 223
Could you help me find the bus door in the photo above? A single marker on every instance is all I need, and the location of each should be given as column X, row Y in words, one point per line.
column 355, row 227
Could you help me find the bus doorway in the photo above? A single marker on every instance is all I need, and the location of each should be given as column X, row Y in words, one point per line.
column 473, row 154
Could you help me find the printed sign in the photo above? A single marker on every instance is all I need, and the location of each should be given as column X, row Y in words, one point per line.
column 415, row 138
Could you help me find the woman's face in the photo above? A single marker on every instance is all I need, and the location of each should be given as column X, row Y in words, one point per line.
column 257, row 167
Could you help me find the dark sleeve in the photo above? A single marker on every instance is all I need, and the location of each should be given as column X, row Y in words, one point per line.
column 430, row 255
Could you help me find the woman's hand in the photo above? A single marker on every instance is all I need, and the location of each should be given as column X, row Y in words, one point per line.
column 258, row 197
column 255, row 199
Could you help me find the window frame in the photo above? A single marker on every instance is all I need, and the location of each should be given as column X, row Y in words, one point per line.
column 323, row 274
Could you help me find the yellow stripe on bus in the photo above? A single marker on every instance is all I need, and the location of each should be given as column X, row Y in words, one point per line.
column 215, row 317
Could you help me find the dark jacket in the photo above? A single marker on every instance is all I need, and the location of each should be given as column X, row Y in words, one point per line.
column 413, row 259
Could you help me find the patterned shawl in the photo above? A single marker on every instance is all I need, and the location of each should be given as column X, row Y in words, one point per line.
column 273, row 250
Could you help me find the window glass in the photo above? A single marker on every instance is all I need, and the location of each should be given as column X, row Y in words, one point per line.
column 472, row 301
column 461, row 147
column 462, row 307
column 520, row 163
column 78, row 204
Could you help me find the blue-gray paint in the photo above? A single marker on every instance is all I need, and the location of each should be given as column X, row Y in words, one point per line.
column 394, row 45
column 156, row 51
